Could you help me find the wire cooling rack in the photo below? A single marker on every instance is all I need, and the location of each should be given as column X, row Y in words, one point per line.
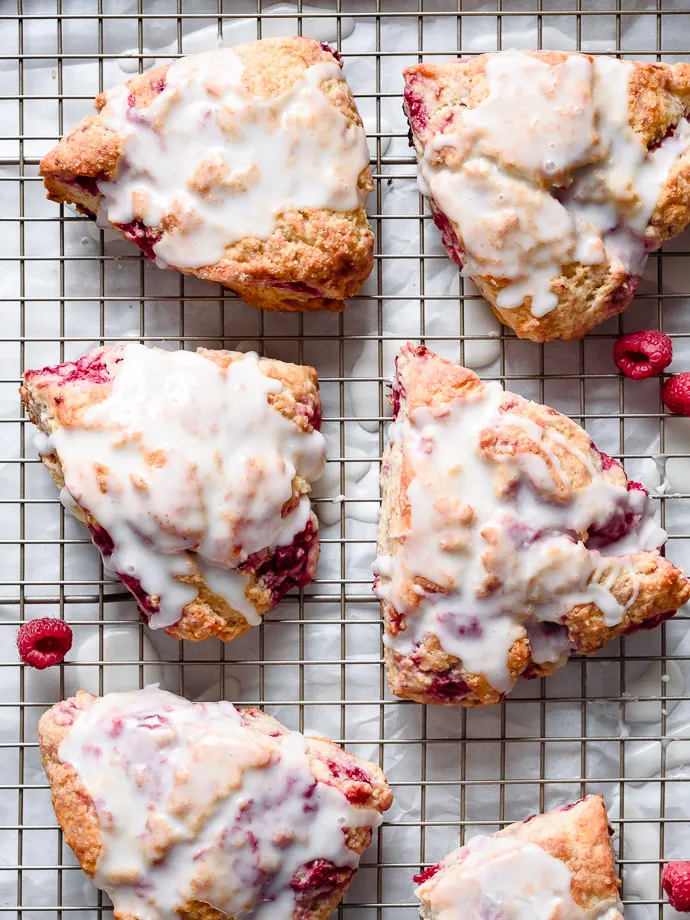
column 316, row 662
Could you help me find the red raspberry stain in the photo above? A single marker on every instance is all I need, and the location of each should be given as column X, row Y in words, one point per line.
column 426, row 874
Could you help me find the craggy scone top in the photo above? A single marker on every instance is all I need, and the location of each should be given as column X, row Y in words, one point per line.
column 507, row 540
column 551, row 176
column 203, row 811
column 247, row 166
column 555, row 866
column 192, row 473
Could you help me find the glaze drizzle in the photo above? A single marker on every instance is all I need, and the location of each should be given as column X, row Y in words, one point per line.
column 186, row 466
column 497, row 541
column 195, row 805
column 493, row 876
column 210, row 163
column 547, row 171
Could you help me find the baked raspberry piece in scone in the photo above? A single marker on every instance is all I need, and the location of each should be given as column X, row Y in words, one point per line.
column 247, row 166
column 201, row 810
column 551, row 176
column 192, row 473
column 507, row 541
column 555, row 866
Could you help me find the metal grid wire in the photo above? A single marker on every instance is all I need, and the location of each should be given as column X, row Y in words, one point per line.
column 444, row 792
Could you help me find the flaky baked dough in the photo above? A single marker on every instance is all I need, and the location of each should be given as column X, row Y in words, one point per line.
column 328, row 251
column 659, row 95
column 425, row 379
column 78, row 817
column 579, row 836
column 53, row 399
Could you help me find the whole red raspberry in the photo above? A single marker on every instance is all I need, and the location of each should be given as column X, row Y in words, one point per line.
column 643, row 354
column 676, row 883
column 43, row 643
column 676, row 394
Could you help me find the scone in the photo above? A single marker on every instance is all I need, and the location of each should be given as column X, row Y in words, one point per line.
column 555, row 866
column 551, row 176
column 192, row 473
column 507, row 541
column 204, row 812
column 247, row 166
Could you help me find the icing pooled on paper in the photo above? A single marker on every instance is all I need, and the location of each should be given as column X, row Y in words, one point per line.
column 185, row 455
column 493, row 550
column 221, row 164
column 546, row 171
column 195, row 805
column 499, row 877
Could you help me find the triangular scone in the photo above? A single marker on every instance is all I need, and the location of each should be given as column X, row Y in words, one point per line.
column 506, row 540
column 192, row 473
column 200, row 810
column 551, row 176
column 555, row 866
column 247, row 166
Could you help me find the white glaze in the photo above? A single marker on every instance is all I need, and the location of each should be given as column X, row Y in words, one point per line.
column 541, row 129
column 191, row 783
column 649, row 683
column 184, row 455
column 508, row 878
column 129, row 62
column 462, row 503
column 225, row 163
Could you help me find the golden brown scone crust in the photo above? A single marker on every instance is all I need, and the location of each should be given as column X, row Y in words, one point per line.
column 331, row 253
column 78, row 818
column 578, row 835
column 53, row 399
column 658, row 96
column 425, row 379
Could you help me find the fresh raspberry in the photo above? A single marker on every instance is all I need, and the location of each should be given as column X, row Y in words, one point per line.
column 643, row 354
column 43, row 643
column 676, row 883
column 676, row 394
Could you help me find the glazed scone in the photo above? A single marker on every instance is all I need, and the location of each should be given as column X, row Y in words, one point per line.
column 192, row 473
column 555, row 866
column 507, row 541
column 247, row 166
column 205, row 812
column 551, row 176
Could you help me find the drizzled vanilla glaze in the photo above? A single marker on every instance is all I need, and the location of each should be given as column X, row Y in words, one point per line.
column 185, row 455
column 498, row 539
column 497, row 877
column 193, row 804
column 547, row 171
column 224, row 164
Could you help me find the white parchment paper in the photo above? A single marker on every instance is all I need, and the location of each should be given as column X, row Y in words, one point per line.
column 74, row 285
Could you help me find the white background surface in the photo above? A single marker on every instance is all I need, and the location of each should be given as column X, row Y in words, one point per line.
column 316, row 661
